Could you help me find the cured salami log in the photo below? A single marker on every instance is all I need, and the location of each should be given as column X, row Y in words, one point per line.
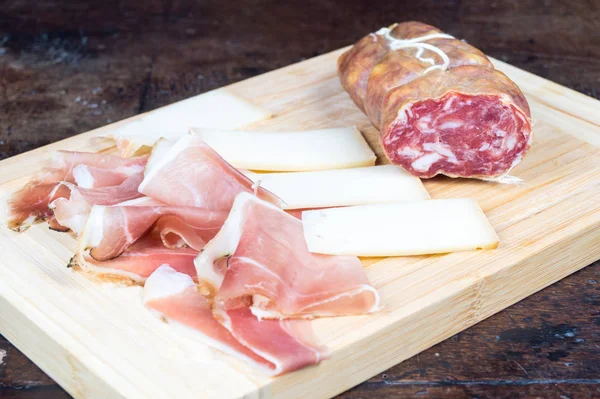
column 438, row 102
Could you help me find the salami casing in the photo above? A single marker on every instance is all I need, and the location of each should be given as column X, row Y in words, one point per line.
column 438, row 102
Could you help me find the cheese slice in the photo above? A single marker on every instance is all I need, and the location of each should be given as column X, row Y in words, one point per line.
column 342, row 187
column 215, row 109
column 336, row 148
column 408, row 228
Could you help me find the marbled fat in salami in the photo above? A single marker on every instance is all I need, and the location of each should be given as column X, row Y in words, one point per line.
column 439, row 104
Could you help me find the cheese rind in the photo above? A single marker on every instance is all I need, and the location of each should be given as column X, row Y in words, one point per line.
column 342, row 187
column 336, row 148
column 408, row 228
column 215, row 109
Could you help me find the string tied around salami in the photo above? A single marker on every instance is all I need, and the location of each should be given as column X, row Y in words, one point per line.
column 418, row 43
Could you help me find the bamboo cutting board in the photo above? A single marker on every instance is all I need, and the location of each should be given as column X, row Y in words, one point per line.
column 96, row 339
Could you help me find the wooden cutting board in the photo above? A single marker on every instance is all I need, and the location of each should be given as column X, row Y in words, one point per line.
column 97, row 340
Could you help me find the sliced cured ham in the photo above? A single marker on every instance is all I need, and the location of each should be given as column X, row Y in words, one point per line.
column 72, row 212
column 175, row 232
column 110, row 230
column 92, row 177
column 68, row 160
column 54, row 225
column 140, row 260
column 190, row 173
column 31, row 203
column 287, row 344
column 177, row 298
column 51, row 175
column 274, row 346
column 268, row 261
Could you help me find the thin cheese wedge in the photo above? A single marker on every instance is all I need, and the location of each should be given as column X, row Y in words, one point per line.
column 408, row 228
column 337, row 148
column 215, row 109
column 343, row 187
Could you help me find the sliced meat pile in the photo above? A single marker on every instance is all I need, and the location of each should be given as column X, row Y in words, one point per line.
column 259, row 282
column 188, row 192
column 438, row 102
column 216, row 253
column 133, row 238
column 190, row 173
column 276, row 346
column 63, row 193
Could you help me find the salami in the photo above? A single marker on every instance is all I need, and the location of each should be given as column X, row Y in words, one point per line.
column 438, row 102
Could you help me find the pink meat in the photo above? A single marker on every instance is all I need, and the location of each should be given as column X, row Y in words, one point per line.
column 92, row 177
column 271, row 264
column 274, row 346
column 287, row 344
column 31, row 203
column 141, row 259
column 175, row 232
column 191, row 173
column 185, row 304
column 68, row 160
column 118, row 227
column 72, row 212
column 457, row 135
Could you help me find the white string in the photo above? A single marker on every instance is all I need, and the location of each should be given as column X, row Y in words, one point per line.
column 417, row 43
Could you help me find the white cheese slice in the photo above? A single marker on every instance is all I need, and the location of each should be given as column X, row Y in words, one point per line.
column 342, row 187
column 215, row 109
column 408, row 228
column 336, row 148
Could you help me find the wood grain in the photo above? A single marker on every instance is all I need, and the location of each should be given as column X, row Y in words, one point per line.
column 548, row 229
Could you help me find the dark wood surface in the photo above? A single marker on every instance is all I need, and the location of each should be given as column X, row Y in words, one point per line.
column 68, row 66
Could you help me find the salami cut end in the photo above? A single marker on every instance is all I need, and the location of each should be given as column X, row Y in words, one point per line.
column 458, row 135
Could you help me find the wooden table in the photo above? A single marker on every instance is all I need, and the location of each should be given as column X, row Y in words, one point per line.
column 66, row 69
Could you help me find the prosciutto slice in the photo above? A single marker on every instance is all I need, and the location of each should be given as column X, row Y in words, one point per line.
column 179, row 301
column 51, row 175
column 29, row 205
column 272, row 345
column 110, row 230
column 140, row 260
column 287, row 344
column 72, row 212
column 190, row 173
column 268, row 261
column 92, row 177
column 91, row 170
column 68, row 160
